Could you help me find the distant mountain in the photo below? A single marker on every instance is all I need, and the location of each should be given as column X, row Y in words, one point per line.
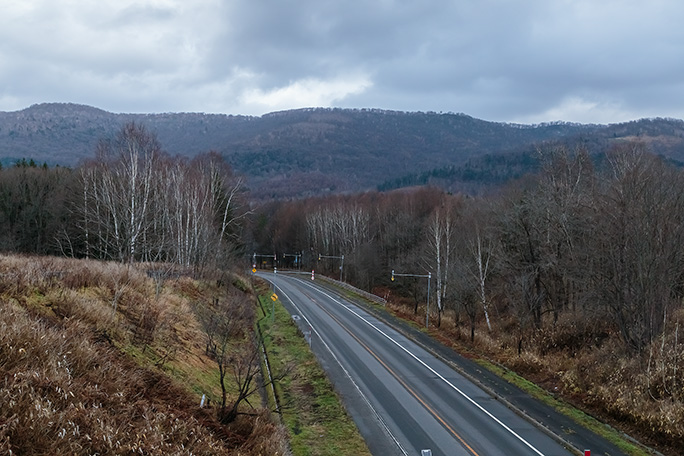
column 312, row 151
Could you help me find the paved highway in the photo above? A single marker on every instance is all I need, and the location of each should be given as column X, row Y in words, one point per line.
column 403, row 399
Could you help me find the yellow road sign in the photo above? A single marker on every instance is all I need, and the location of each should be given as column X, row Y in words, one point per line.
column 274, row 297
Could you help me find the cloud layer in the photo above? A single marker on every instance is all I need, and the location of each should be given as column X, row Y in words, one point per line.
column 503, row 60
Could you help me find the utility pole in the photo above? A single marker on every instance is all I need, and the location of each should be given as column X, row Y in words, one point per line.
column 297, row 257
column 336, row 257
column 260, row 255
column 429, row 277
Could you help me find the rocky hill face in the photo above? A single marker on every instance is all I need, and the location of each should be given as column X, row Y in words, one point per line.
column 312, row 151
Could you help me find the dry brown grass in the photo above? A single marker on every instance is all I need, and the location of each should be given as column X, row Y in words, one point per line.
column 67, row 330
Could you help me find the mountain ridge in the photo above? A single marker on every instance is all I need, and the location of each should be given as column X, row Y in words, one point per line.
column 310, row 151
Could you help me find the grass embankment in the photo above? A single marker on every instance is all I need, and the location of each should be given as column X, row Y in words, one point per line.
column 94, row 361
column 317, row 422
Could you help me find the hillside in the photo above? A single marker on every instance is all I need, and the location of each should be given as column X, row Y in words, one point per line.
column 98, row 358
column 313, row 151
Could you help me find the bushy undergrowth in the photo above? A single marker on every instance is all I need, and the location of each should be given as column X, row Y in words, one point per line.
column 69, row 386
column 642, row 392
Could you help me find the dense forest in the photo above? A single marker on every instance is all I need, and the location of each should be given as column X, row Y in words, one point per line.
column 573, row 276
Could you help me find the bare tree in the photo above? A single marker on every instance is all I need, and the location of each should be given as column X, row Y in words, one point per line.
column 440, row 232
column 227, row 323
column 482, row 255
column 138, row 152
column 638, row 260
column 464, row 292
column 244, row 367
column 118, row 193
column 139, row 205
column 339, row 227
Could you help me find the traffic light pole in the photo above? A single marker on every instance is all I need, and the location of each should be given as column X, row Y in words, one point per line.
column 337, row 257
column 429, row 277
column 297, row 257
column 259, row 255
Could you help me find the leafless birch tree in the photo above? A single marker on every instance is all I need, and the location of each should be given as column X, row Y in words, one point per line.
column 139, row 205
column 440, row 233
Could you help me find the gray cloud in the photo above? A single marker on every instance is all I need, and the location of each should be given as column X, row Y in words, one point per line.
column 500, row 60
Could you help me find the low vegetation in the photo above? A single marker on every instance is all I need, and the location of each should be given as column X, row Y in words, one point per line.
column 95, row 361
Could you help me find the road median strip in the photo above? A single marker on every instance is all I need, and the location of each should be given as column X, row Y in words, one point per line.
column 312, row 412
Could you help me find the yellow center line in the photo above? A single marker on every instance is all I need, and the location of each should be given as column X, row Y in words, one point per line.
column 405, row 385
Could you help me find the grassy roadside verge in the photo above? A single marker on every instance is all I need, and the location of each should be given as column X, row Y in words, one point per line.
column 317, row 423
column 612, row 435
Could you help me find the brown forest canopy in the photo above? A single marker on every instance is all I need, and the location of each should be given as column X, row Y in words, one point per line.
column 575, row 275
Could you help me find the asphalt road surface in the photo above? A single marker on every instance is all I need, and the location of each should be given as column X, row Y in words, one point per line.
column 403, row 399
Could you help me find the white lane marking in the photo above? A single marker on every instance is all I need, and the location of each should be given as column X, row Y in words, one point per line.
column 454, row 387
column 375, row 412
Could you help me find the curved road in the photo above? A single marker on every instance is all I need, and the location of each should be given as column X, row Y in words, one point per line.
column 403, row 398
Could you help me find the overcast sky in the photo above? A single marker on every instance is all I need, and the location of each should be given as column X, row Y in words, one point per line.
column 524, row 61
